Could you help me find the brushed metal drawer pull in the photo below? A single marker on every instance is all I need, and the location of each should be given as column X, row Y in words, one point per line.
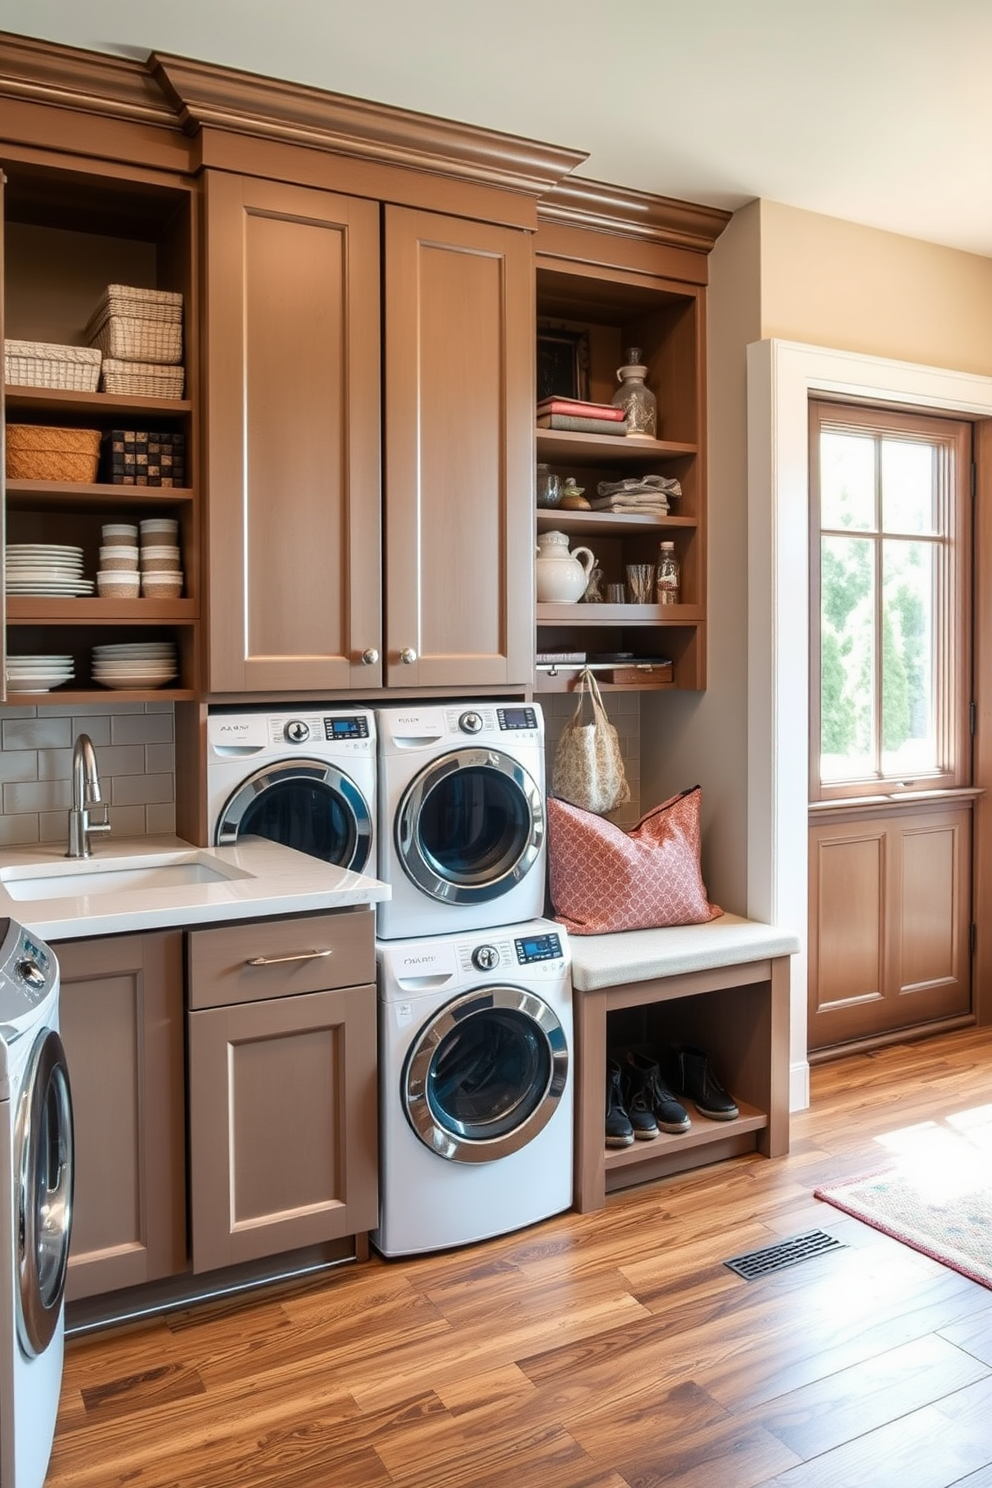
column 277, row 960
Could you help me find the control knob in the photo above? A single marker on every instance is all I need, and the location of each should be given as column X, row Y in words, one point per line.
column 485, row 957
column 29, row 971
column 296, row 731
column 470, row 723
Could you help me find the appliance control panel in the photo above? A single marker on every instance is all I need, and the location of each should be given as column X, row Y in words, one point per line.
column 523, row 720
column 531, row 948
column 351, row 727
column 27, row 973
column 514, row 719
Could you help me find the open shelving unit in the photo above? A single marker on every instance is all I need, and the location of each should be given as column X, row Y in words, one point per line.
column 67, row 234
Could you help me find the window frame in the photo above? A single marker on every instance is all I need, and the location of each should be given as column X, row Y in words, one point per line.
column 952, row 615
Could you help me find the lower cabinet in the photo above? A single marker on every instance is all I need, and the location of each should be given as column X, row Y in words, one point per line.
column 122, row 1025
column 282, row 1086
column 889, row 920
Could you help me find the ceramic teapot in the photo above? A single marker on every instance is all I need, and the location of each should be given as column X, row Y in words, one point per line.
column 562, row 576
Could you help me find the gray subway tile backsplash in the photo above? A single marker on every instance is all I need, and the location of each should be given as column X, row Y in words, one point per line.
column 135, row 753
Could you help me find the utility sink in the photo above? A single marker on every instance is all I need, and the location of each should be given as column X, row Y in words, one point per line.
column 71, row 879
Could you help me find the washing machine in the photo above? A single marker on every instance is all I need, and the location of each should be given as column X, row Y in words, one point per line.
column 304, row 777
column 35, row 1204
column 475, row 1085
column 461, row 817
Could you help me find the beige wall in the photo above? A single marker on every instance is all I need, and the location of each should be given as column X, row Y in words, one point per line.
column 831, row 283
column 798, row 276
column 701, row 738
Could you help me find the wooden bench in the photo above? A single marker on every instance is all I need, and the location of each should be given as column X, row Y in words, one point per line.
column 723, row 987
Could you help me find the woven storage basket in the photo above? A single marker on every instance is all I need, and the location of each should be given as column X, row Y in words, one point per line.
column 149, row 304
column 141, row 379
column 39, row 452
column 131, row 338
column 47, row 364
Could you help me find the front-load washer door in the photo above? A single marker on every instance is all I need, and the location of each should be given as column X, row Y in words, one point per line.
column 470, row 826
column 44, row 1158
column 306, row 804
column 485, row 1074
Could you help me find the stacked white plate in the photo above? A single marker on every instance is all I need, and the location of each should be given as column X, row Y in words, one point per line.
column 139, row 664
column 38, row 673
column 46, row 568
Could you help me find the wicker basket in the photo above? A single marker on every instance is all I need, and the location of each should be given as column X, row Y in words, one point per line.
column 39, row 452
column 131, row 338
column 141, row 379
column 46, row 364
column 147, row 304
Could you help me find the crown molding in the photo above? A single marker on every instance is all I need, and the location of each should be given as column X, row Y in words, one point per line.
column 93, row 82
column 624, row 212
column 206, row 96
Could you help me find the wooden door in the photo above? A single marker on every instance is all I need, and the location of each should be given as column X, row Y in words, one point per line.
column 283, row 1124
column 122, row 1026
column 890, row 916
column 292, row 378
column 459, row 520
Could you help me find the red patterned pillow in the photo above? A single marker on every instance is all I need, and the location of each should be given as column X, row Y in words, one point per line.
column 604, row 879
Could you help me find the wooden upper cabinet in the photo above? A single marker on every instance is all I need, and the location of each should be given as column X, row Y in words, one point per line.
column 292, row 379
column 459, row 388
column 303, row 595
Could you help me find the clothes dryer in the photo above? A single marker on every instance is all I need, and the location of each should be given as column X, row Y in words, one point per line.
column 461, row 817
column 36, row 1171
column 303, row 777
column 475, row 1085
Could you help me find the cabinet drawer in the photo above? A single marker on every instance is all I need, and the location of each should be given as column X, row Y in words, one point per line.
column 311, row 954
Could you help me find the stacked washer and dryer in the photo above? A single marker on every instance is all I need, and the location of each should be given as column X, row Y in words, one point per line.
column 475, row 1009
column 446, row 804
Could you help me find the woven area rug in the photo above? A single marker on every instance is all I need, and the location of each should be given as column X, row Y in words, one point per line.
column 943, row 1211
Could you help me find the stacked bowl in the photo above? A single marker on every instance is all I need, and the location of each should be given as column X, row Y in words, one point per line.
column 117, row 576
column 158, row 558
column 38, row 673
column 135, row 664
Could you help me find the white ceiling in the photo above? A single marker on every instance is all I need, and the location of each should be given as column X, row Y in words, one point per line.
column 878, row 111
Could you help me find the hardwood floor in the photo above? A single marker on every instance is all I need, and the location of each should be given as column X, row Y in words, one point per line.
column 611, row 1350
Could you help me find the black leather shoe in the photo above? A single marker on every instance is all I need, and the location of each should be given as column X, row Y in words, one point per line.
column 693, row 1076
column 646, row 1092
column 619, row 1132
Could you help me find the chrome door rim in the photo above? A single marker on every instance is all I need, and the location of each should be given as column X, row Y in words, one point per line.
column 440, row 1139
column 450, row 888
column 49, row 1226
column 317, row 772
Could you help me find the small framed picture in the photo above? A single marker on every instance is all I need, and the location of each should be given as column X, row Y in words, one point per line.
column 562, row 363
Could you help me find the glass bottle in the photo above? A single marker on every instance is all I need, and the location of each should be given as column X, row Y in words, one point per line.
column 668, row 586
column 637, row 401
column 548, row 486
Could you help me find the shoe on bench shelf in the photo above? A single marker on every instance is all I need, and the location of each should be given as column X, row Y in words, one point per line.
column 694, row 1077
column 619, row 1132
column 648, row 1098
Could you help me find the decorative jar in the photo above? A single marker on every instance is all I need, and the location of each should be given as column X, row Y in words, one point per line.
column 636, row 399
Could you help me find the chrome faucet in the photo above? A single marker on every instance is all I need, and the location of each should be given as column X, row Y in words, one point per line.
column 85, row 793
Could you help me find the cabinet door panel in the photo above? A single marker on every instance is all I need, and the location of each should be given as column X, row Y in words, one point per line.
column 459, row 455
column 283, row 1122
column 122, row 1024
column 890, row 910
column 293, row 402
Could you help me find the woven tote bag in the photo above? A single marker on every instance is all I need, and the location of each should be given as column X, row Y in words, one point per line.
column 588, row 767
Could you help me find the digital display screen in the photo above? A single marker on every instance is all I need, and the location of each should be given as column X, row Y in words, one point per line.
column 517, row 718
column 538, row 948
column 346, row 728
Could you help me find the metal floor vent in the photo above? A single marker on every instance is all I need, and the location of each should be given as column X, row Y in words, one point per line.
column 786, row 1253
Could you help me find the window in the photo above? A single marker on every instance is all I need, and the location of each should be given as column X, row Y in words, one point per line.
column 890, row 590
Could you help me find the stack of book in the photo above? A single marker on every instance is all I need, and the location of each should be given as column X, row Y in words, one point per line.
column 577, row 417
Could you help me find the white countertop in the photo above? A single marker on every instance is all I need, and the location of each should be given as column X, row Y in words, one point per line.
column 637, row 955
column 277, row 880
